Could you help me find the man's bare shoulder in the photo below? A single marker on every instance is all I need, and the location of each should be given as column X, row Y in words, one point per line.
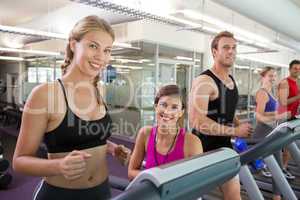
column 203, row 78
column 283, row 83
column 204, row 84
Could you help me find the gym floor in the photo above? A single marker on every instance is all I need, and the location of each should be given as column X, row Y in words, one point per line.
column 22, row 187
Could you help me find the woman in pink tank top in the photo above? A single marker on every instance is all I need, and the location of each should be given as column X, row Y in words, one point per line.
column 166, row 141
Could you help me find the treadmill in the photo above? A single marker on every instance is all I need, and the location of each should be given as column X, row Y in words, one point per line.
column 286, row 134
column 187, row 179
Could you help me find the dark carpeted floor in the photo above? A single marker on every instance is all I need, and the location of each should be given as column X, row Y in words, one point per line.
column 22, row 186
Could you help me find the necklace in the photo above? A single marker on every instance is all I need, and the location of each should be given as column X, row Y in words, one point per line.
column 165, row 156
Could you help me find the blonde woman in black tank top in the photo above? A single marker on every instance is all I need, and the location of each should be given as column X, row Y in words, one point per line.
column 73, row 121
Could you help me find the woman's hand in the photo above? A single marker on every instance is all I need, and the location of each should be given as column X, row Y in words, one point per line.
column 122, row 153
column 283, row 116
column 74, row 164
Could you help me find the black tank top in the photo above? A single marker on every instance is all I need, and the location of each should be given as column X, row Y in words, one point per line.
column 222, row 111
column 74, row 133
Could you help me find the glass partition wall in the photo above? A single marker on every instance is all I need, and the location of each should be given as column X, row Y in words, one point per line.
column 139, row 73
column 37, row 71
column 247, row 77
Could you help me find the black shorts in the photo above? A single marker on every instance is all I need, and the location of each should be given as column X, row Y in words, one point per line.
column 45, row 191
column 210, row 142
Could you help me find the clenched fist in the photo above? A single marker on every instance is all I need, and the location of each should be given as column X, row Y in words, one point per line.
column 74, row 164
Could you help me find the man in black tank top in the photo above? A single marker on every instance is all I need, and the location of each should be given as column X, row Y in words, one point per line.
column 213, row 101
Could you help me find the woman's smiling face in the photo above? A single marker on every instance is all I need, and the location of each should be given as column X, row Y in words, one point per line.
column 168, row 110
column 92, row 53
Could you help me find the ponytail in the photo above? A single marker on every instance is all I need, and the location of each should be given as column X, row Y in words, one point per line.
column 95, row 84
column 68, row 58
column 180, row 121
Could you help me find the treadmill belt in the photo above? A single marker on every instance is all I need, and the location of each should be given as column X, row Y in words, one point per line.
column 217, row 195
column 265, row 183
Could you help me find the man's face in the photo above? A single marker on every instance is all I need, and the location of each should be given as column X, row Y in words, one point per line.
column 295, row 71
column 225, row 52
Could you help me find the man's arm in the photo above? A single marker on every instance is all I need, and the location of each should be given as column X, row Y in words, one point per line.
column 283, row 93
column 236, row 121
column 203, row 88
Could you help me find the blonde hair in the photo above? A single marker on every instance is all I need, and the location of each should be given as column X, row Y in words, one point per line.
column 266, row 70
column 82, row 27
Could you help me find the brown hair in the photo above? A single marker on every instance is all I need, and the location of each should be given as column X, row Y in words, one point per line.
column 169, row 90
column 266, row 70
column 294, row 62
column 82, row 27
column 215, row 41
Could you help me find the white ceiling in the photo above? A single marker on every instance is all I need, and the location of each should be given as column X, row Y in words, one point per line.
column 60, row 15
column 13, row 12
column 39, row 14
column 56, row 16
column 280, row 15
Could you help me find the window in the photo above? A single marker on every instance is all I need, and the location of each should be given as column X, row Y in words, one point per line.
column 42, row 74
column 32, row 75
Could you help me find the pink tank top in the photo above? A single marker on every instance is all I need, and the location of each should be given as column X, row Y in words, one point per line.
column 154, row 158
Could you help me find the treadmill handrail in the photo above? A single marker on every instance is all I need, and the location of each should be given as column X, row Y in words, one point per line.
column 294, row 124
column 281, row 126
column 145, row 189
column 281, row 136
column 157, row 176
column 185, row 179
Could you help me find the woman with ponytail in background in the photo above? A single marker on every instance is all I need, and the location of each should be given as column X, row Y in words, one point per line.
column 70, row 116
column 166, row 141
column 267, row 115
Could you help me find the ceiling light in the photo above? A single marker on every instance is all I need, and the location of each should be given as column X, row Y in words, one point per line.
column 11, row 58
column 210, row 29
column 261, row 44
column 243, row 39
column 59, row 61
column 11, row 41
column 223, row 25
column 30, row 51
column 40, row 59
column 241, row 67
column 185, row 22
column 183, row 58
column 262, row 61
column 145, row 60
column 127, row 67
column 193, row 25
column 128, row 60
column 186, row 58
column 125, row 10
column 31, row 32
column 123, row 45
column 123, row 70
